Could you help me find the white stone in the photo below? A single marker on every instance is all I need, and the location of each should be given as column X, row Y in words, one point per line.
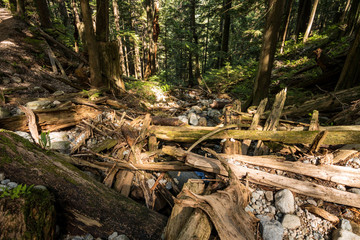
column 121, row 237
column 271, row 230
column 25, row 135
column 183, row 118
column 284, row 201
column 35, row 105
column 113, row 235
column 341, row 187
column 193, row 119
column 312, row 202
column 150, row 182
column 354, row 190
column 255, row 195
column 11, row 185
column 340, row 234
column 291, row 221
column 16, row 79
column 345, row 225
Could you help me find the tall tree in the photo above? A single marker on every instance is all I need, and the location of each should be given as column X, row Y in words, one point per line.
column 44, row 13
column 225, row 32
column 94, row 63
column 63, row 12
column 20, row 8
column 353, row 19
column 345, row 12
column 119, row 38
column 303, row 15
column 102, row 20
column 311, row 20
column 153, row 31
column 272, row 26
column 288, row 9
column 350, row 74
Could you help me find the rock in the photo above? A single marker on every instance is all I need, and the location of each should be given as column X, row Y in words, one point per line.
column 16, row 79
column 312, row 202
column 341, row 187
column 25, row 135
column 88, row 237
column 41, row 104
column 56, row 102
column 183, row 118
column 255, row 195
column 58, row 93
column 213, row 113
column 196, row 109
column 150, row 182
column 2, row 187
column 291, row 221
column 40, row 187
column 4, row 113
column 345, row 225
column 270, row 229
column 6, row 80
column 2, row 176
column 202, row 122
column 121, row 237
column 284, row 201
column 340, row 234
column 113, row 236
column 5, row 181
column 11, row 185
column 348, row 214
column 59, row 141
column 269, row 195
column 354, row 190
column 193, row 119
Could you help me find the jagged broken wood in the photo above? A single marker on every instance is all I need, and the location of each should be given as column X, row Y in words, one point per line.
column 267, row 179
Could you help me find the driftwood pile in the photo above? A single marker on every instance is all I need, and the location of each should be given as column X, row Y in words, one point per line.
column 137, row 147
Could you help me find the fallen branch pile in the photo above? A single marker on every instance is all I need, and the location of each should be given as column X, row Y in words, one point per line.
column 126, row 151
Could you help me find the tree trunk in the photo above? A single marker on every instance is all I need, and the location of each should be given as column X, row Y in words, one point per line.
column 225, row 33
column 44, row 13
column 86, row 206
column 311, row 20
column 63, row 12
column 153, row 30
column 102, row 20
column 351, row 71
column 136, row 56
column 345, row 12
column 197, row 76
column 118, row 29
column 353, row 16
column 288, row 16
column 20, row 8
column 78, row 28
column 94, row 63
column 273, row 21
column 302, row 17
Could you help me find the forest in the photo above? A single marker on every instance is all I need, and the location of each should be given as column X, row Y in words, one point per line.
column 179, row 119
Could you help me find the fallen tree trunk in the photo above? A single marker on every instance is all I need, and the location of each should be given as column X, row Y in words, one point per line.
column 51, row 119
column 267, row 179
column 333, row 101
column 85, row 206
column 189, row 134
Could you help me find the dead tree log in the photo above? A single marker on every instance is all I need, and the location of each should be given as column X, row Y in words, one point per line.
column 85, row 206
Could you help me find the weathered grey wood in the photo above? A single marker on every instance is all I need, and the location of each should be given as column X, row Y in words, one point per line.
column 267, row 179
column 314, row 123
column 272, row 121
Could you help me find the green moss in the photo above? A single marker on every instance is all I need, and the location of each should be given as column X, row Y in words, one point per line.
column 4, row 158
column 39, row 213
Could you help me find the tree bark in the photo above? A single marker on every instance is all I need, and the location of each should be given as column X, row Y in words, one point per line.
column 226, row 32
column 195, row 79
column 86, row 206
column 345, row 12
column 353, row 19
column 288, row 16
column 78, row 28
column 102, row 20
column 302, row 17
column 273, row 21
column 63, row 12
column 153, row 30
column 118, row 29
column 44, row 13
column 350, row 73
column 20, row 8
column 311, row 20
column 95, row 69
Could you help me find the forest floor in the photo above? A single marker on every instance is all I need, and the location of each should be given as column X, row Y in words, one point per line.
column 27, row 76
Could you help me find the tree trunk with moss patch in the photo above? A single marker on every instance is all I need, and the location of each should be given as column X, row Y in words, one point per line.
column 85, row 205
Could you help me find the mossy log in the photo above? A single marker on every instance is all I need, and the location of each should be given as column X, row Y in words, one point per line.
column 189, row 134
column 28, row 216
column 84, row 205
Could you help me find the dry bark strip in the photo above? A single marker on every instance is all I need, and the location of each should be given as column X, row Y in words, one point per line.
column 87, row 206
column 31, row 119
column 189, row 134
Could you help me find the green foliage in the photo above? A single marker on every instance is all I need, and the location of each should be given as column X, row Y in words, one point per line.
column 19, row 191
column 92, row 94
column 44, row 140
column 149, row 90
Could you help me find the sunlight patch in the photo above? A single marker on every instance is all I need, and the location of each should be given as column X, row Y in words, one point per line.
column 5, row 42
